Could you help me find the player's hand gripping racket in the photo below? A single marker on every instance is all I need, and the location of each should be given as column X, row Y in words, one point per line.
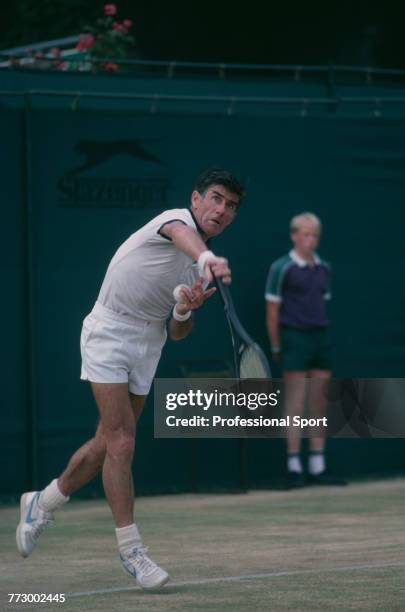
column 249, row 359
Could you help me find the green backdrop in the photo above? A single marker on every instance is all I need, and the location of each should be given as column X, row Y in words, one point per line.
column 80, row 173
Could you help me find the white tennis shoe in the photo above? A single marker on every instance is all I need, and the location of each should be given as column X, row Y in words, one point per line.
column 147, row 574
column 33, row 521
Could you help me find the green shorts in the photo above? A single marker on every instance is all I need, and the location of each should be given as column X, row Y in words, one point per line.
column 306, row 349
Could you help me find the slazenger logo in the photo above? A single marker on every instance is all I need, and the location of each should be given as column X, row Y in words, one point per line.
column 76, row 190
column 99, row 152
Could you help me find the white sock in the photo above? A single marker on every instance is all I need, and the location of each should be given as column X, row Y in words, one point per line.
column 316, row 463
column 294, row 463
column 51, row 498
column 127, row 538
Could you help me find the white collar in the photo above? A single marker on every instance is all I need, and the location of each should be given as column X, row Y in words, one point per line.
column 302, row 262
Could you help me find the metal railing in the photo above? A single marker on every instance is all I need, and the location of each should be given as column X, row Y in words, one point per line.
column 222, row 70
column 230, row 103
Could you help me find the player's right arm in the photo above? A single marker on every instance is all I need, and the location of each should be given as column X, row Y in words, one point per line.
column 186, row 239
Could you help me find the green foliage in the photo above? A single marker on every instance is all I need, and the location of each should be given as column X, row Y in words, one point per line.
column 101, row 36
column 110, row 42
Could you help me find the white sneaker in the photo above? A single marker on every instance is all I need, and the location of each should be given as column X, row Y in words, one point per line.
column 33, row 521
column 147, row 574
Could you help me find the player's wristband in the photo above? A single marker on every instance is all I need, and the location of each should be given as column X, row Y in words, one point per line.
column 202, row 260
column 180, row 317
column 276, row 349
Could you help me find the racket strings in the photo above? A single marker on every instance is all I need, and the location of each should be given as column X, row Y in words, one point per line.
column 252, row 363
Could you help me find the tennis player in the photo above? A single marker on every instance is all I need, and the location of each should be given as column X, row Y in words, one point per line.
column 121, row 343
column 297, row 289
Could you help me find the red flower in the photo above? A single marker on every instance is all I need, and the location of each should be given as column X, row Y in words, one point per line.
column 110, row 10
column 86, row 41
column 127, row 23
column 117, row 26
column 110, row 67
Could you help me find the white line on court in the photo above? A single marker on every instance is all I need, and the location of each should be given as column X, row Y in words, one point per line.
column 202, row 581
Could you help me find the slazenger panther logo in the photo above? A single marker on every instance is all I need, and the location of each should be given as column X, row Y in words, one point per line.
column 144, row 180
column 100, row 152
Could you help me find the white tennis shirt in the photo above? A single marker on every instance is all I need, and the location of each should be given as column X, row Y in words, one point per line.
column 146, row 268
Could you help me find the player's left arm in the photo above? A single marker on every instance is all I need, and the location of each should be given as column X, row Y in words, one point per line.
column 193, row 298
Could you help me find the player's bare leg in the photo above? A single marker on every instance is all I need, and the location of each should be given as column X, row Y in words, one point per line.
column 118, row 423
column 37, row 507
column 88, row 460
column 295, row 389
column 84, row 465
column 118, row 413
column 137, row 403
column 317, row 405
column 317, row 469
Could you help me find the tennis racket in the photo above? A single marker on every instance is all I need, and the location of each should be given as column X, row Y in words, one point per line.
column 249, row 359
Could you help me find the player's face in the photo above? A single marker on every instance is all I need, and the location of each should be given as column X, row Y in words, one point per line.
column 306, row 238
column 215, row 209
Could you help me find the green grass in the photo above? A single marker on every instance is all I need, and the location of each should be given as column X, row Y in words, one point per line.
column 313, row 549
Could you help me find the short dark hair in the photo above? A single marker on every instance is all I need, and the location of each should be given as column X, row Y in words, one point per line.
column 219, row 176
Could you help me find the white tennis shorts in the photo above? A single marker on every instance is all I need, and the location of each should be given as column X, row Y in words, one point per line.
column 121, row 349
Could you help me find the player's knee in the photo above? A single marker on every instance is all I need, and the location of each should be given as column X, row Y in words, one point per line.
column 121, row 446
